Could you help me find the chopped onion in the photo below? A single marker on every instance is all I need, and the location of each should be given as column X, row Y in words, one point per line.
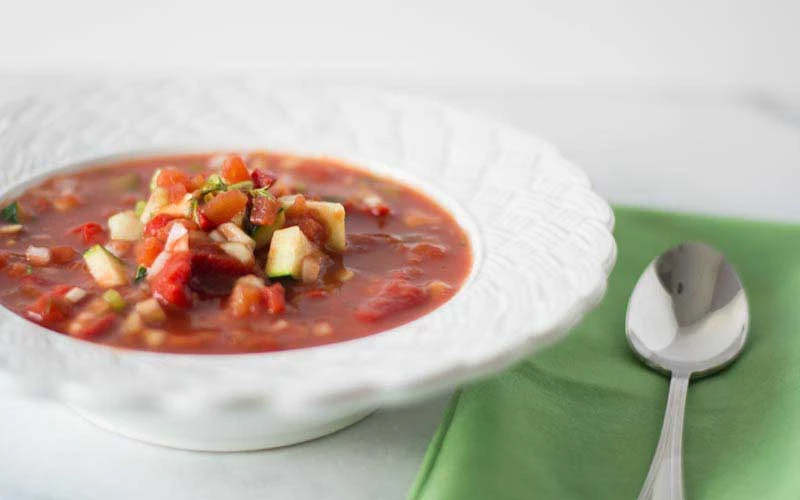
column 158, row 264
column 10, row 229
column 150, row 311
column 310, row 268
column 38, row 256
column 178, row 239
column 238, row 251
column 75, row 294
column 321, row 329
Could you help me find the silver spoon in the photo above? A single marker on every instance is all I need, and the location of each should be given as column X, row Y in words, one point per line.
column 688, row 317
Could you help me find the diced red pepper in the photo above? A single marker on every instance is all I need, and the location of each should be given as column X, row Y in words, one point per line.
column 147, row 250
column 395, row 296
column 91, row 328
column 234, row 170
column 264, row 210
column 171, row 285
column 224, row 207
column 275, row 297
column 262, row 178
column 91, row 232
column 3, row 259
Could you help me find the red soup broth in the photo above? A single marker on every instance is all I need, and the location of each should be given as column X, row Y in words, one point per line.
column 404, row 255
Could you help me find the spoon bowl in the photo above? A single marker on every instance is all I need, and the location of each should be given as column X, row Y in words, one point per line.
column 688, row 316
column 688, row 313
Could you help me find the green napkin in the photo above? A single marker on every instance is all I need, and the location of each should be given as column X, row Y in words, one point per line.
column 582, row 418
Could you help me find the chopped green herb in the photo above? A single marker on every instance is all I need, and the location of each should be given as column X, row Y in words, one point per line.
column 262, row 192
column 213, row 183
column 242, row 186
column 29, row 269
column 141, row 273
column 11, row 213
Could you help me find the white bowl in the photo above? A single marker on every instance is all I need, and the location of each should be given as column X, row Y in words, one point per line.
column 541, row 237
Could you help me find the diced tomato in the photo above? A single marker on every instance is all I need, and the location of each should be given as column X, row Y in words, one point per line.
column 379, row 209
column 275, row 297
column 90, row 328
column 316, row 293
column 171, row 285
column 262, row 178
column 244, row 299
column 196, row 182
column 18, row 269
column 60, row 290
column 147, row 250
column 91, row 232
column 66, row 202
column 395, row 296
column 120, row 248
column 62, row 255
column 203, row 221
column 421, row 252
column 264, row 210
column 49, row 308
column 176, row 192
column 155, row 225
column 224, row 207
column 3, row 259
column 313, row 230
column 172, row 176
column 234, row 170
column 39, row 204
column 215, row 261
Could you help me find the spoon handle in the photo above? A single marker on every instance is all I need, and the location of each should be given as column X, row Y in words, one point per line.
column 665, row 478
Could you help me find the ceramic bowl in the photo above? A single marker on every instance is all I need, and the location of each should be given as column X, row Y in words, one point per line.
column 541, row 238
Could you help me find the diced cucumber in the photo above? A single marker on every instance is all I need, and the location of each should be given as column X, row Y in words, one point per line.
column 154, row 179
column 125, row 226
column 286, row 252
column 115, row 300
column 139, row 208
column 106, row 269
column 159, row 198
column 333, row 217
column 331, row 214
column 263, row 234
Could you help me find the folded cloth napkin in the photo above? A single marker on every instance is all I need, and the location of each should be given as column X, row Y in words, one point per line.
column 582, row 418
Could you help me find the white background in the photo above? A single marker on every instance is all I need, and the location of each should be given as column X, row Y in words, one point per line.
column 691, row 105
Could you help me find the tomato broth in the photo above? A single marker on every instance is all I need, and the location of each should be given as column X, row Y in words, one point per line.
column 216, row 253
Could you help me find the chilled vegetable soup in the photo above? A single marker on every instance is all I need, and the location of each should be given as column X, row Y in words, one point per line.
column 226, row 253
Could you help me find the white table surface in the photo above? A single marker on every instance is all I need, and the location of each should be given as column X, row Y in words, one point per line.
column 718, row 152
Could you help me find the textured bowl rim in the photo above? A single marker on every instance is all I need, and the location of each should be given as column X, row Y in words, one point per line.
column 294, row 393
